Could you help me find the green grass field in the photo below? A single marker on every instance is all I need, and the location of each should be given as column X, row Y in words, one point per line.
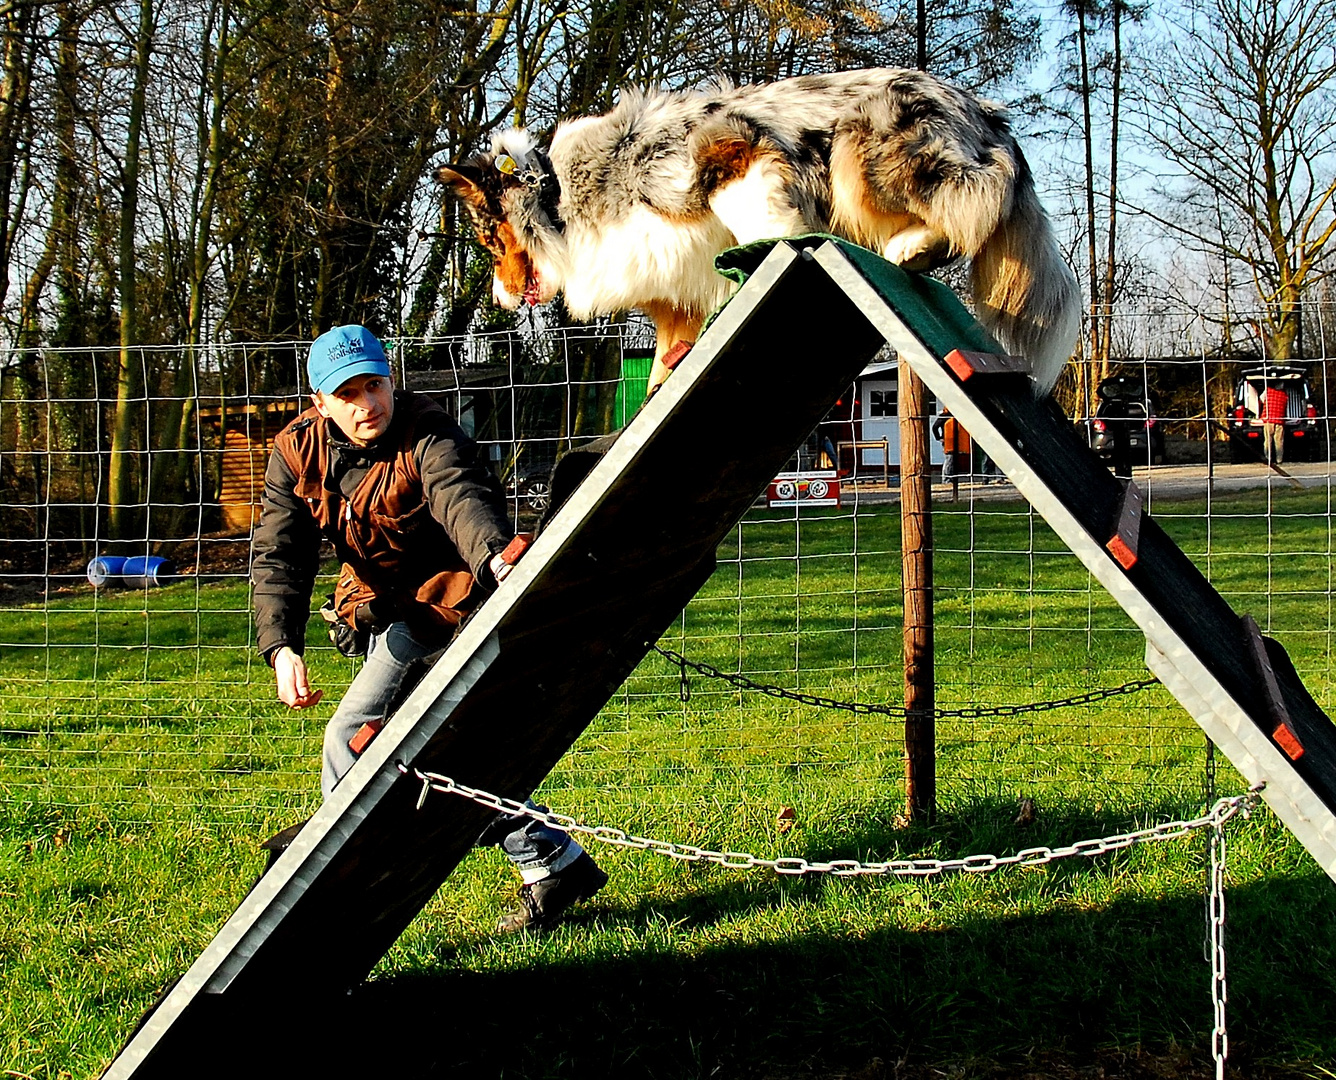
column 142, row 759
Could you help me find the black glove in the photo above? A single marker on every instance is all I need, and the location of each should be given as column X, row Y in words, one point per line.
column 349, row 640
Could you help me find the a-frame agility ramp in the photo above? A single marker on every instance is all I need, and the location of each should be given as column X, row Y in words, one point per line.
column 618, row 563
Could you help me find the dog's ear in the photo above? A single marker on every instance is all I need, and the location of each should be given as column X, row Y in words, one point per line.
column 465, row 180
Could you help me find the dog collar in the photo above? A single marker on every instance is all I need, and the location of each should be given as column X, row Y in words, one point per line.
column 549, row 192
column 540, row 177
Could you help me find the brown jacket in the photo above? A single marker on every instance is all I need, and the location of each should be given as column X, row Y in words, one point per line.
column 414, row 519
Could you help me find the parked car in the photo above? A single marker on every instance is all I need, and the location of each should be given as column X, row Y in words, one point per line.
column 1125, row 402
column 1302, row 436
column 531, row 483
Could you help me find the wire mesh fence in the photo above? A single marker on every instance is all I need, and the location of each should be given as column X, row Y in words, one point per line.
column 141, row 696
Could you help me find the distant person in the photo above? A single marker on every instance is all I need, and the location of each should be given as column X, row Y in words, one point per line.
column 419, row 523
column 986, row 467
column 1119, row 416
column 1275, row 402
column 830, row 458
column 955, row 447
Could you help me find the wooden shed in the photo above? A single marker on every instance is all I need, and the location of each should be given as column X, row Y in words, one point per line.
column 244, row 435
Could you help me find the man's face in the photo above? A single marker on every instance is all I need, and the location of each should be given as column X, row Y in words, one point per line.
column 362, row 407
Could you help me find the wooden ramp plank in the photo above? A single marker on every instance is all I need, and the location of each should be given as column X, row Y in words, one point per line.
column 1196, row 643
column 528, row 673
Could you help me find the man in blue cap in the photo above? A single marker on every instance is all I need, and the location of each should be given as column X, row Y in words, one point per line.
column 419, row 523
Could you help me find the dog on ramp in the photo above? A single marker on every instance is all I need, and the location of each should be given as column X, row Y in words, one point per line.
column 628, row 210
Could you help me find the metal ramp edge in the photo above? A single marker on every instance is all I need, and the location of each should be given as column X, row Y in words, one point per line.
column 1195, row 642
column 526, row 675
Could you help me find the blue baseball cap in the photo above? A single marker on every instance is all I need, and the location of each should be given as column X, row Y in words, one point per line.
column 339, row 354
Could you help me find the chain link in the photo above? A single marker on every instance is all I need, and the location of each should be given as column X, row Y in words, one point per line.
column 973, row 712
column 1215, row 819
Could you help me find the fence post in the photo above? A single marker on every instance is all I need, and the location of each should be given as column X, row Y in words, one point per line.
column 916, row 571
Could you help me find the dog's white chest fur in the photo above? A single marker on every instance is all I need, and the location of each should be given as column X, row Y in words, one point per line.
column 639, row 258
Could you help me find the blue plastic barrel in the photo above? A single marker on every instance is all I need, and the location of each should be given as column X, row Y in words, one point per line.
column 136, row 572
column 144, row 570
column 105, row 569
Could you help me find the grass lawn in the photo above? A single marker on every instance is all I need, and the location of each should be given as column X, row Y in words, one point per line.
column 142, row 759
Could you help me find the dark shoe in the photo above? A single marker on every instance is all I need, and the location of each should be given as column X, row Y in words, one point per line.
column 275, row 846
column 544, row 902
column 279, row 843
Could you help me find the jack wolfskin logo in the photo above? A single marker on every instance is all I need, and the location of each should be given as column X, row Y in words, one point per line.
column 342, row 349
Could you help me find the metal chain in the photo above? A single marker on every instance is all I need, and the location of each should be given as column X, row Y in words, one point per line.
column 1220, row 813
column 1223, row 810
column 1209, row 898
column 973, row 712
column 1216, row 922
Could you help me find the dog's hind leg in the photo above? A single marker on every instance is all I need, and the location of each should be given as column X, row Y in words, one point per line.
column 918, row 248
column 879, row 219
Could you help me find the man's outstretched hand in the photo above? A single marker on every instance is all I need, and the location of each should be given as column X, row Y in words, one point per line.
column 503, row 562
column 294, row 685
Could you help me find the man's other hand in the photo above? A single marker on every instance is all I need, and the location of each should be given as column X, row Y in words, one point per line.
column 500, row 568
column 294, row 686
column 503, row 562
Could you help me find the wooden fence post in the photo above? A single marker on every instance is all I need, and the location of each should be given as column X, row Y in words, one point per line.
column 916, row 568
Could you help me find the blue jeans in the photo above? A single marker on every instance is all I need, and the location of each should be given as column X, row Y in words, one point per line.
column 395, row 663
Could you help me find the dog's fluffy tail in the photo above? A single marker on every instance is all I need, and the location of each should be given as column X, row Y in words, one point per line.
column 1025, row 294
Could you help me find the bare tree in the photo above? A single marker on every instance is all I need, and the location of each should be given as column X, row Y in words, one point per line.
column 128, row 427
column 18, row 185
column 1119, row 10
column 1088, row 103
column 1238, row 98
column 18, row 53
column 1084, row 12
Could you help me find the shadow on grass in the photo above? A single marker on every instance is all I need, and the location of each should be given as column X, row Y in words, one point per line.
column 1019, row 995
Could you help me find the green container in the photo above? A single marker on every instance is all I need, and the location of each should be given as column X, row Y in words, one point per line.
column 636, row 365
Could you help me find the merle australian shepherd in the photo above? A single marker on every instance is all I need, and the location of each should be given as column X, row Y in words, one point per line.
column 629, row 209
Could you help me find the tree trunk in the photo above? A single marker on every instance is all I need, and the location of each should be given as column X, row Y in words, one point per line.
column 921, row 35
column 125, row 471
column 1097, row 355
column 1111, row 252
column 323, row 313
column 16, row 144
column 181, row 471
column 16, row 53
